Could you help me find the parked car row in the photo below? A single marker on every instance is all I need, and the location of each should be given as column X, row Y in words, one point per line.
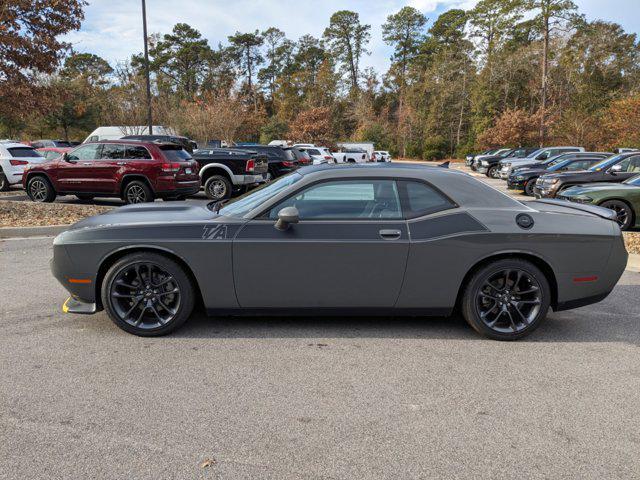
column 570, row 173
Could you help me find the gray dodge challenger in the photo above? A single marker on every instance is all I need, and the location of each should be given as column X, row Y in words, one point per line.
column 378, row 239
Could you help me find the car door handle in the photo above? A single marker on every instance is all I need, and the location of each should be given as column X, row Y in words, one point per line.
column 87, row 163
column 390, row 234
column 121, row 163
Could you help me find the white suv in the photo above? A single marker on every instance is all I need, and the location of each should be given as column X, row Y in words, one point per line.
column 14, row 157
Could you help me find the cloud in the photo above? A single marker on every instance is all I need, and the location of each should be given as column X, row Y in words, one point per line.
column 113, row 28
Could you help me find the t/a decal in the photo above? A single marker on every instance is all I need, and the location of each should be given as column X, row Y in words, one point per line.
column 214, row 232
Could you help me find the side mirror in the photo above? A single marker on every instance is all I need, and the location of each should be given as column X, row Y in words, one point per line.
column 286, row 217
column 615, row 169
column 66, row 158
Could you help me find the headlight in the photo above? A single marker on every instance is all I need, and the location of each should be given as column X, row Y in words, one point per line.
column 485, row 163
column 520, row 177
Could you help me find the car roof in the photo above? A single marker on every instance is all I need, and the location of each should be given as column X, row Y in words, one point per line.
column 14, row 145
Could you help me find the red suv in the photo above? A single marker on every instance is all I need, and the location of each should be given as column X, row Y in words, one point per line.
column 134, row 171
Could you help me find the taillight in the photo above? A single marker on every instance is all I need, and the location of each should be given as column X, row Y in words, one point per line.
column 171, row 167
column 251, row 165
column 328, row 157
column 288, row 164
column 18, row 162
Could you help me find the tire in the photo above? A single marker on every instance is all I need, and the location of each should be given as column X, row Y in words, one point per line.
column 623, row 211
column 40, row 190
column 529, row 186
column 492, row 172
column 84, row 197
column 155, row 311
column 4, row 183
column 483, row 304
column 217, row 187
column 137, row 191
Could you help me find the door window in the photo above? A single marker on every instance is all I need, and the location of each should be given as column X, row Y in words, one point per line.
column 633, row 166
column 421, row 199
column 112, row 151
column 346, row 200
column 86, row 152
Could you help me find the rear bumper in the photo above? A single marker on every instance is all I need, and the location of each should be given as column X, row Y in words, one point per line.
column 250, row 179
column 169, row 189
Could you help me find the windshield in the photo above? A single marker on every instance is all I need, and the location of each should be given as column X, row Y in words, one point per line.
column 23, row 152
column 240, row 206
column 535, row 153
column 635, row 181
column 605, row 163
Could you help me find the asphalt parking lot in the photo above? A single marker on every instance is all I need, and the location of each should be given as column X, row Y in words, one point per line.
column 300, row 398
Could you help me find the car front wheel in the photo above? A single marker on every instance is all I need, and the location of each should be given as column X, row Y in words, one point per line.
column 506, row 299
column 624, row 213
column 529, row 186
column 4, row 183
column 493, row 172
column 147, row 294
column 39, row 189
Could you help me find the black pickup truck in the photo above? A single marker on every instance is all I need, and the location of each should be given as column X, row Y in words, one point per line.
column 225, row 171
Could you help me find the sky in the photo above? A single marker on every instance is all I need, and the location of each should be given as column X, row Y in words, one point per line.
column 112, row 29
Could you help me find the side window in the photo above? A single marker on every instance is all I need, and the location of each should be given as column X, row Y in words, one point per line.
column 137, row 152
column 87, row 152
column 112, row 152
column 346, row 200
column 624, row 164
column 93, row 138
column 544, row 155
column 634, row 165
column 421, row 199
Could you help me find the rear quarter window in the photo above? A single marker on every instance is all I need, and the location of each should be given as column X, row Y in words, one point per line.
column 421, row 199
column 175, row 154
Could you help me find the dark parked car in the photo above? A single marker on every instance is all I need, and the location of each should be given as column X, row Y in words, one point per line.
column 615, row 169
column 489, row 164
column 281, row 160
column 623, row 198
column 525, row 178
column 134, row 171
column 560, row 158
column 225, row 170
column 381, row 239
column 186, row 143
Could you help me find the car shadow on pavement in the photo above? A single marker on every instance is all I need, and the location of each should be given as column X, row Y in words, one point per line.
column 617, row 319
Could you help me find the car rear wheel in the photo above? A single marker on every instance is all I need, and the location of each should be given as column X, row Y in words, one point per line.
column 147, row 294
column 137, row 191
column 39, row 189
column 624, row 213
column 217, row 187
column 529, row 186
column 506, row 299
column 4, row 183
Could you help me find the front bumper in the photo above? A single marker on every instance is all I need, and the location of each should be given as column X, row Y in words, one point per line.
column 73, row 305
column 504, row 174
column 513, row 184
column 547, row 192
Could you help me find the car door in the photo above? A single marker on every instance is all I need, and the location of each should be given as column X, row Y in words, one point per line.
column 349, row 249
column 630, row 167
column 75, row 172
column 105, row 169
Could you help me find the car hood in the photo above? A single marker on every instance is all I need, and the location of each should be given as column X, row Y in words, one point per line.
column 598, row 187
column 577, row 174
column 529, row 171
column 149, row 213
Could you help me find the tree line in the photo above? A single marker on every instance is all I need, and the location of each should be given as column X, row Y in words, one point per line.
column 507, row 72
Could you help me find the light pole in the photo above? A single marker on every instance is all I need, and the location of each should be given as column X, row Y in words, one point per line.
column 146, row 67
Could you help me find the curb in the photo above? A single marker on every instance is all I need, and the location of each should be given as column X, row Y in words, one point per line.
column 633, row 264
column 26, row 232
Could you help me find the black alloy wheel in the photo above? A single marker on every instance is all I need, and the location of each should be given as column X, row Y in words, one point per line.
column 4, row 183
column 624, row 213
column 137, row 192
column 147, row 294
column 507, row 299
column 529, row 186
